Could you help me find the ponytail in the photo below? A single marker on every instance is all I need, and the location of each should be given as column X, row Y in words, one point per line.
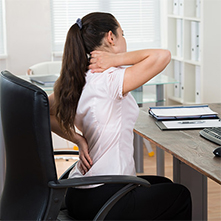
column 68, row 87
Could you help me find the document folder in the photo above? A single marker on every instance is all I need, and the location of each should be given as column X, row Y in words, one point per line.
column 182, row 112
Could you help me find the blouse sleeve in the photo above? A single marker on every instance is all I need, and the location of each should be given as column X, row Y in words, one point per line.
column 115, row 82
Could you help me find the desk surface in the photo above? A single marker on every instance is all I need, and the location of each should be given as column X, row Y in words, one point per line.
column 186, row 145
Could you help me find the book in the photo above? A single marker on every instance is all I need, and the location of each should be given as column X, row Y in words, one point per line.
column 45, row 80
column 179, row 40
column 182, row 112
column 197, row 84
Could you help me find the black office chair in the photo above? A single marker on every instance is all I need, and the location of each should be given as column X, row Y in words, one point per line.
column 32, row 190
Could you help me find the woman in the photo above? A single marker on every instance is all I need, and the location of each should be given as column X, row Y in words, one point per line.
column 97, row 101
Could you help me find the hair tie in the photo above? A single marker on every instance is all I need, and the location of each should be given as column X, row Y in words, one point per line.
column 79, row 23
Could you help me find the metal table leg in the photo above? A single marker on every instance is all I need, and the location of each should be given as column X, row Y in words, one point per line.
column 197, row 185
column 160, row 95
column 160, row 162
column 138, row 140
column 160, row 152
column 138, row 153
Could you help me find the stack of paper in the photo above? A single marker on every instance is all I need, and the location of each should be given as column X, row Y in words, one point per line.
column 185, row 117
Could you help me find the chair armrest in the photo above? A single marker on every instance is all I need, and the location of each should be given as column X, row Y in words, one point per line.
column 66, row 152
column 74, row 182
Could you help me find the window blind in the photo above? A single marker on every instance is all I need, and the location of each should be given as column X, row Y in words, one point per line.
column 2, row 28
column 140, row 19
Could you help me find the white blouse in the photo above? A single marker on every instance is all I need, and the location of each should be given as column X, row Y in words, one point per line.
column 106, row 119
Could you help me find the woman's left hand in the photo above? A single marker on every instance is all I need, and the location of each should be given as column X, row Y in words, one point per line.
column 101, row 61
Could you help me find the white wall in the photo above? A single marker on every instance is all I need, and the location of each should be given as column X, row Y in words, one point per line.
column 28, row 31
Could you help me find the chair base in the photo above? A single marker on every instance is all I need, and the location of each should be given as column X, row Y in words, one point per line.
column 63, row 215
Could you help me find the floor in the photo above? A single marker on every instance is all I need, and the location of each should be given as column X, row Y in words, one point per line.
column 214, row 189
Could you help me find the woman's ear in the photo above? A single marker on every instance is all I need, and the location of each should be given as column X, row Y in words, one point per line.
column 110, row 38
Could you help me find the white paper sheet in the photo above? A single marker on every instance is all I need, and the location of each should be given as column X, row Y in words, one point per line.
column 173, row 112
column 186, row 124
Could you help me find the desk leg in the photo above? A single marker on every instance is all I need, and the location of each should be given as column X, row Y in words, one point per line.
column 160, row 161
column 138, row 153
column 160, row 152
column 196, row 183
column 138, row 141
column 160, row 95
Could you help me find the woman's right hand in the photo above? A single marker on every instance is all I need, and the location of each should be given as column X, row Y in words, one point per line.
column 101, row 61
column 85, row 161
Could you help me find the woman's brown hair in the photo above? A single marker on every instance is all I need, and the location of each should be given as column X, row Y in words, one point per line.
column 80, row 41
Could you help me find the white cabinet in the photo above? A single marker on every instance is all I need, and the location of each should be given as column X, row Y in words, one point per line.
column 194, row 39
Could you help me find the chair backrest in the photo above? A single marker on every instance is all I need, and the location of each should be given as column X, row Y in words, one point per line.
column 29, row 153
column 45, row 68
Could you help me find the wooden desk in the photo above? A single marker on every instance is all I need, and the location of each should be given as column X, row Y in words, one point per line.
column 194, row 160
